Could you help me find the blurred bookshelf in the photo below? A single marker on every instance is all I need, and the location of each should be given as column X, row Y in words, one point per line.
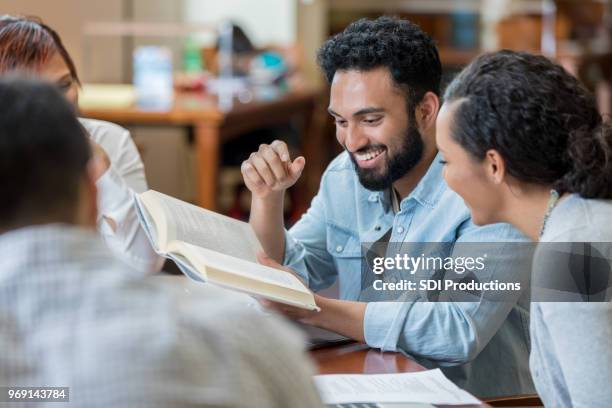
column 575, row 32
column 464, row 28
column 454, row 25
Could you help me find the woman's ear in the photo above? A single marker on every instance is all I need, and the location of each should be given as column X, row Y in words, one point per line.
column 495, row 167
column 427, row 111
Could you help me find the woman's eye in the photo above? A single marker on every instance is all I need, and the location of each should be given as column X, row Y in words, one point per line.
column 64, row 85
column 443, row 162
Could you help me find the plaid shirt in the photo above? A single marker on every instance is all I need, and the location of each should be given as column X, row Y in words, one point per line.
column 73, row 316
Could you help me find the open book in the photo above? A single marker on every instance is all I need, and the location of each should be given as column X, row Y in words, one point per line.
column 210, row 247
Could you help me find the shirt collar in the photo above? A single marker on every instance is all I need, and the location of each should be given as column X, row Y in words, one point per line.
column 45, row 245
column 432, row 185
column 427, row 192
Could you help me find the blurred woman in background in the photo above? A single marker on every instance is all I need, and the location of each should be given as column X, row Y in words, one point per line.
column 31, row 47
column 523, row 142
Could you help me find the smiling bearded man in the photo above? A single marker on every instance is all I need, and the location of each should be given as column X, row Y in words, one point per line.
column 387, row 187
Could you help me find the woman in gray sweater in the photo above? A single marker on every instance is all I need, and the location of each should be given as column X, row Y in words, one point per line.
column 523, row 143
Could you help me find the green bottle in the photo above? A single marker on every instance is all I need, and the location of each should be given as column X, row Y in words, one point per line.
column 192, row 58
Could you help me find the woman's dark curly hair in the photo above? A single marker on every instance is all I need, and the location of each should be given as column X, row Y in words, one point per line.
column 539, row 118
column 409, row 53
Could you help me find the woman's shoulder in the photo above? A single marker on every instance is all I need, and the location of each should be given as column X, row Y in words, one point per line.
column 101, row 129
column 107, row 134
column 116, row 140
column 580, row 219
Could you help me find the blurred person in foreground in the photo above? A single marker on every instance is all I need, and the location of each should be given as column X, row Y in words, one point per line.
column 73, row 316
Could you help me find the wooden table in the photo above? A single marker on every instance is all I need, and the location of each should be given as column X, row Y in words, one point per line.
column 358, row 358
column 212, row 126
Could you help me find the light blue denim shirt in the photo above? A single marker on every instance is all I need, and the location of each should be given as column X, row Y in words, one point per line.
column 482, row 346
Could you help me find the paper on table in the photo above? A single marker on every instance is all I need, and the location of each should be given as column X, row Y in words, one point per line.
column 425, row 386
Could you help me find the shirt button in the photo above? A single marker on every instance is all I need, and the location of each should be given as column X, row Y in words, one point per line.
column 339, row 248
column 400, row 229
column 377, row 228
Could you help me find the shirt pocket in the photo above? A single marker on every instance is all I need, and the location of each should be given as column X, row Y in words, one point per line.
column 344, row 247
column 342, row 243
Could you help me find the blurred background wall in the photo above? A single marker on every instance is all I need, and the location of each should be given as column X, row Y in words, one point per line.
column 575, row 32
column 280, row 18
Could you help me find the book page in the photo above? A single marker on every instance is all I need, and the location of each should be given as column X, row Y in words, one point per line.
column 148, row 224
column 207, row 229
column 242, row 268
column 423, row 387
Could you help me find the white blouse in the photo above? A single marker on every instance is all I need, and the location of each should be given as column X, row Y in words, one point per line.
column 116, row 188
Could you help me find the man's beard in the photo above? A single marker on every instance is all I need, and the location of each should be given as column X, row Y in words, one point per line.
column 398, row 165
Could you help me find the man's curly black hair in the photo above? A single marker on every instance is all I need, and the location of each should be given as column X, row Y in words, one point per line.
column 409, row 53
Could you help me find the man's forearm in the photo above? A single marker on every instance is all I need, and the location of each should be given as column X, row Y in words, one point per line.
column 341, row 316
column 269, row 225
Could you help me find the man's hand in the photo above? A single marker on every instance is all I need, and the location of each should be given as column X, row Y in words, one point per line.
column 270, row 170
column 294, row 313
column 291, row 312
column 99, row 161
column 341, row 316
column 268, row 173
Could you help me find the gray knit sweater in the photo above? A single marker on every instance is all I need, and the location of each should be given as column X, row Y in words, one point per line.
column 571, row 354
